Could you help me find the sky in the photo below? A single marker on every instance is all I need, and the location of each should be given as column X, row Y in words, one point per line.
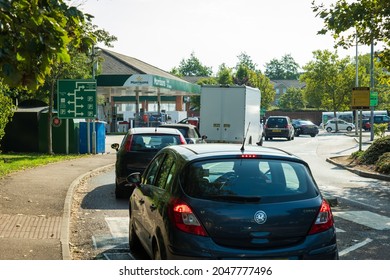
column 164, row 32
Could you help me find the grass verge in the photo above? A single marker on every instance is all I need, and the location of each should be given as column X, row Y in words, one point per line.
column 15, row 161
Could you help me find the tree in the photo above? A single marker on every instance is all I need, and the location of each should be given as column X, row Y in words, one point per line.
column 192, row 67
column 7, row 108
column 36, row 34
column 292, row 100
column 366, row 19
column 274, row 70
column 267, row 91
column 43, row 41
column 284, row 69
column 225, row 75
column 246, row 60
column 329, row 81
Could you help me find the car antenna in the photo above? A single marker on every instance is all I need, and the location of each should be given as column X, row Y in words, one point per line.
column 246, row 133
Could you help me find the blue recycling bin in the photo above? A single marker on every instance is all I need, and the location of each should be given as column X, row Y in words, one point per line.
column 100, row 137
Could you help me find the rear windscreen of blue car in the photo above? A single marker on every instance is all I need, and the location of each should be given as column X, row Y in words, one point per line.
column 271, row 180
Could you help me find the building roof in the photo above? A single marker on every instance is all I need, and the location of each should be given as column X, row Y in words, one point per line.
column 288, row 83
column 120, row 64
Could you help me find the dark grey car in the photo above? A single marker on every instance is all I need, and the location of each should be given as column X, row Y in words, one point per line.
column 219, row 201
column 278, row 127
column 137, row 149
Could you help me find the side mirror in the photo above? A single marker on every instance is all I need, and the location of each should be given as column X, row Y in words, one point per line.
column 134, row 178
column 115, row 146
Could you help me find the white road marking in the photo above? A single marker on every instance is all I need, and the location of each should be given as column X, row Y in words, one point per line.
column 366, row 218
column 339, row 230
column 354, row 247
column 119, row 226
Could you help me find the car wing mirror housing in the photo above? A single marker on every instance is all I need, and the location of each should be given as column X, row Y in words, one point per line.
column 115, row 146
column 134, row 179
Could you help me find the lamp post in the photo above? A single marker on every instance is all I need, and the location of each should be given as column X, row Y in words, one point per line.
column 372, row 86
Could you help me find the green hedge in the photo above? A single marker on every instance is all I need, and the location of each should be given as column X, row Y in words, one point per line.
column 378, row 148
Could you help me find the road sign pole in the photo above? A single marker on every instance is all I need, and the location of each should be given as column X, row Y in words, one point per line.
column 88, row 137
column 67, row 136
column 93, row 137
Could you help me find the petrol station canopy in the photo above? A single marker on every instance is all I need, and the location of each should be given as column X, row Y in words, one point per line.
column 127, row 76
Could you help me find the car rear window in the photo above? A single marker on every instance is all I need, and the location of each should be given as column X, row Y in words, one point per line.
column 277, row 122
column 151, row 142
column 267, row 179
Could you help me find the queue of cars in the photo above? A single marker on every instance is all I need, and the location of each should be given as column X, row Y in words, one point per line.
column 191, row 200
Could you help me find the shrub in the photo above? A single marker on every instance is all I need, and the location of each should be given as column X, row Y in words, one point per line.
column 380, row 129
column 383, row 163
column 377, row 148
column 356, row 155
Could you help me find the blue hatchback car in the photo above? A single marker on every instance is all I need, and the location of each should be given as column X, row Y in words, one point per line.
column 224, row 201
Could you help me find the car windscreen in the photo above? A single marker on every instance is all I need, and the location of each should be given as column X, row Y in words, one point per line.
column 268, row 180
column 153, row 142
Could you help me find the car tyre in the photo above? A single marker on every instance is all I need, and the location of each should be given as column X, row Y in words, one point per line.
column 349, row 128
column 328, row 129
column 312, row 135
column 118, row 192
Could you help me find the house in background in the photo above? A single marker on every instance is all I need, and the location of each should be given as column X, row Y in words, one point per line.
column 281, row 87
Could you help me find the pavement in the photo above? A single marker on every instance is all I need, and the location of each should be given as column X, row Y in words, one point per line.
column 35, row 206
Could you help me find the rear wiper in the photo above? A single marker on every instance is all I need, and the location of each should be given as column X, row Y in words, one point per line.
column 236, row 198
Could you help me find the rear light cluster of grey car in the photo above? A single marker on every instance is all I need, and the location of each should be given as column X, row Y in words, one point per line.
column 324, row 220
column 185, row 220
column 182, row 140
column 128, row 144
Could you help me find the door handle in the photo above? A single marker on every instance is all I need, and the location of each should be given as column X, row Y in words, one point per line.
column 153, row 207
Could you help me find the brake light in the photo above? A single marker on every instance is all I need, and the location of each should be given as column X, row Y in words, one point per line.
column 324, row 220
column 248, row 156
column 128, row 143
column 182, row 140
column 185, row 220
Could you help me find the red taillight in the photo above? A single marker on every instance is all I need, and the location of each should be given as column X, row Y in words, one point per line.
column 182, row 140
column 128, row 143
column 185, row 220
column 324, row 220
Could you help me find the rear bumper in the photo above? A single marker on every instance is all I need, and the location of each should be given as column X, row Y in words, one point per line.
column 282, row 134
column 321, row 246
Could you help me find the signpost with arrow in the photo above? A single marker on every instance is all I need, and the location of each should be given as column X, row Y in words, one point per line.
column 76, row 99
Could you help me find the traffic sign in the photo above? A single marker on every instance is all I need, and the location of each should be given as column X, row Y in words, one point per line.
column 374, row 98
column 360, row 98
column 76, row 99
column 56, row 122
